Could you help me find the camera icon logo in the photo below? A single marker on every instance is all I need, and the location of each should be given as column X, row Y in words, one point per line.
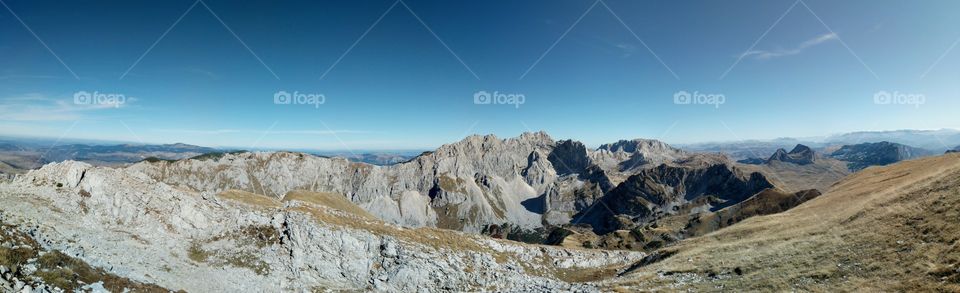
column 882, row 98
column 482, row 98
column 682, row 98
column 82, row 98
column 282, row 98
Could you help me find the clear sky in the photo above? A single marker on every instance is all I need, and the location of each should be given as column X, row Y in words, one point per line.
column 403, row 75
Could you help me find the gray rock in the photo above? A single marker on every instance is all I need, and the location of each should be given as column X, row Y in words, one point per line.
column 132, row 225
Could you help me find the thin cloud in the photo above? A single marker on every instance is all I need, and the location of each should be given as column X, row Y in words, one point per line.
column 206, row 73
column 26, row 76
column 200, row 132
column 770, row 54
column 627, row 50
column 235, row 131
column 320, row 132
column 37, row 107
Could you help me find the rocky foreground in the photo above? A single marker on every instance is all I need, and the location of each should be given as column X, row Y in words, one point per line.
column 122, row 223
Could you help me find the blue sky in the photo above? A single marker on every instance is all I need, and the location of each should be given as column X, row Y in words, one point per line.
column 595, row 71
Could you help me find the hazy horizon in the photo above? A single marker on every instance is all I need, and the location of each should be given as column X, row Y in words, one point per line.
column 54, row 141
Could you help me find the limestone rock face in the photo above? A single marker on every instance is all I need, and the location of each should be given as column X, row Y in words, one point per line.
column 468, row 185
column 627, row 155
column 481, row 181
column 132, row 225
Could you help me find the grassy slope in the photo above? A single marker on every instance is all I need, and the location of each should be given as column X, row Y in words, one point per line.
column 792, row 177
column 885, row 228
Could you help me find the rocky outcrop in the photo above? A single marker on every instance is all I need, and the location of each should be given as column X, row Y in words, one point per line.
column 128, row 224
column 569, row 157
column 634, row 154
column 470, row 184
column 659, row 191
column 27, row 266
column 800, row 155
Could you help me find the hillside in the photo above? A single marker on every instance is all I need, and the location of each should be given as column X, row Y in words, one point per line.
column 892, row 228
column 132, row 228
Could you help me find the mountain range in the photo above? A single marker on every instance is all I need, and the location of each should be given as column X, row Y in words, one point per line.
column 288, row 221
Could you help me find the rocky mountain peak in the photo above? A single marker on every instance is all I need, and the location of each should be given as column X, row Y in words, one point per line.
column 634, row 145
column 527, row 140
column 539, row 137
column 627, row 155
column 569, row 156
column 800, row 149
column 800, row 155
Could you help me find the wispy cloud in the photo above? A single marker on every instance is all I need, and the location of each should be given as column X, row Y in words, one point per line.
column 26, row 76
column 200, row 132
column 206, row 73
column 236, row 131
column 627, row 50
column 320, row 132
column 37, row 107
column 770, row 54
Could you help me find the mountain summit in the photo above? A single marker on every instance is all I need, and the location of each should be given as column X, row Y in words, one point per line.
column 800, row 155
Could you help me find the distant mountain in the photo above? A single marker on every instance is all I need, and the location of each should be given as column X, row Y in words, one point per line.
column 10, row 147
column 938, row 140
column 748, row 149
column 800, row 155
column 625, row 155
column 31, row 155
column 864, row 155
column 800, row 169
column 375, row 158
column 124, row 153
column 752, row 161
column 954, row 150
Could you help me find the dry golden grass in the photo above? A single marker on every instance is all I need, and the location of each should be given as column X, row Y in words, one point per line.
column 330, row 200
column 792, row 177
column 893, row 228
column 250, row 199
